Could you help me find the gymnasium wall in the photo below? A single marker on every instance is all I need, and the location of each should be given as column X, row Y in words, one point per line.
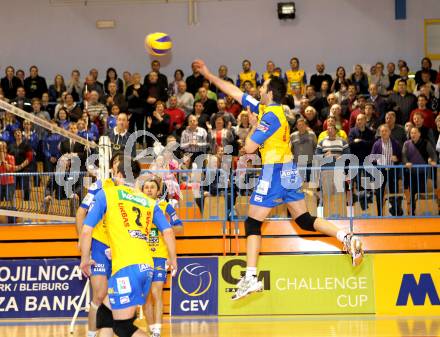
column 61, row 37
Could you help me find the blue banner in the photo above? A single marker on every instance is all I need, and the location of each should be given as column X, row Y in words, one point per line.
column 195, row 288
column 40, row 288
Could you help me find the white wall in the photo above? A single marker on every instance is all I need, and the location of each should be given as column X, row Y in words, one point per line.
column 339, row 32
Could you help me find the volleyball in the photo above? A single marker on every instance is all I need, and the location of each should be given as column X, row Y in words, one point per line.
column 158, row 44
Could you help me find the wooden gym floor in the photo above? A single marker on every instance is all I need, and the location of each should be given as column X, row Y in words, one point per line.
column 252, row 326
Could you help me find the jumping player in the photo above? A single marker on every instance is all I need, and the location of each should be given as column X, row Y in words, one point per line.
column 128, row 215
column 153, row 309
column 101, row 270
column 279, row 182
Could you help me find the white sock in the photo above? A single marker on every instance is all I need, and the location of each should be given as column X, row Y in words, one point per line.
column 340, row 235
column 152, row 327
column 92, row 333
column 251, row 271
column 157, row 327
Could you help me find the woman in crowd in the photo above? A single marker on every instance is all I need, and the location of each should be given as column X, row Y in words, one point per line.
column 112, row 77
column 243, row 127
column 173, row 86
column 360, row 79
column 340, row 79
column 57, row 88
column 220, row 135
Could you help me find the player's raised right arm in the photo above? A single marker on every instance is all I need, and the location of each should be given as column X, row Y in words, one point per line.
column 225, row 86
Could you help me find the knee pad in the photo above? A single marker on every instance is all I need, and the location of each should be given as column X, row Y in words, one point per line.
column 124, row 328
column 252, row 226
column 104, row 317
column 306, row 221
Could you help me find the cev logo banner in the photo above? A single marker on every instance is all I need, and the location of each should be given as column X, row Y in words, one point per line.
column 407, row 284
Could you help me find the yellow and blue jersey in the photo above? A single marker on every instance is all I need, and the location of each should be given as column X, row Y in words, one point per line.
column 251, row 76
column 100, row 231
column 128, row 214
column 155, row 239
column 272, row 132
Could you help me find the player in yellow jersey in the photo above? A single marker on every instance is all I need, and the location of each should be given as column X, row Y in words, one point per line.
column 153, row 309
column 271, row 70
column 247, row 75
column 128, row 215
column 101, row 270
column 279, row 182
column 295, row 77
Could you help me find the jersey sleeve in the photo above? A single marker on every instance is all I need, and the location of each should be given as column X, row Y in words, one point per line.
column 252, row 103
column 96, row 210
column 268, row 125
column 174, row 219
column 159, row 219
column 88, row 199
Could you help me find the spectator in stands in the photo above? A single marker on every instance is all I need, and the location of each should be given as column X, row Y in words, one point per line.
column 340, row 133
column 312, row 119
column 270, row 71
column 20, row 75
column 114, row 97
column 158, row 124
column 433, row 88
column 295, row 77
column 428, row 115
column 136, row 97
column 320, row 76
column 36, row 110
column 370, row 117
column 71, row 148
column 324, row 92
column 341, row 123
column 361, row 138
column 194, row 81
column 402, row 102
column 343, row 93
column 74, row 86
column 177, row 116
column 243, row 127
column 11, row 124
column 10, row 83
column 62, row 119
column 51, row 150
column 341, row 78
column 223, row 74
column 61, row 103
column 72, row 108
column 35, row 85
column 247, row 75
column 46, row 105
column 209, row 105
column 359, row 105
column 173, row 86
column 194, row 139
column 111, row 120
column 380, row 103
column 94, row 73
column 96, row 110
column 293, row 101
column 221, row 111
column 5, row 135
column 232, row 106
column 155, row 92
column 433, row 102
column 380, row 79
column 7, row 165
column 426, row 66
column 82, row 130
column 391, row 153
column 203, row 119
column 90, row 86
column 92, row 133
column 57, row 88
column 348, row 103
column 410, row 82
column 392, row 76
column 221, row 135
column 418, row 151
column 21, row 101
column 185, row 100
column 314, row 100
column 360, row 79
column 210, row 94
column 419, row 122
column 30, row 137
column 119, row 135
column 22, row 152
column 304, row 144
column 331, row 100
column 162, row 80
column 112, row 77
column 127, row 78
column 397, row 130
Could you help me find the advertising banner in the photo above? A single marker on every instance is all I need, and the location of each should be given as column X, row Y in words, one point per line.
column 40, row 288
column 300, row 284
column 407, row 284
column 194, row 291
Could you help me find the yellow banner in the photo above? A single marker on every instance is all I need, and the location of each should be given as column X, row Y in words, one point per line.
column 407, row 284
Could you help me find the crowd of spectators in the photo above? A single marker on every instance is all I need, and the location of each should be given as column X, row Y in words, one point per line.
column 329, row 115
